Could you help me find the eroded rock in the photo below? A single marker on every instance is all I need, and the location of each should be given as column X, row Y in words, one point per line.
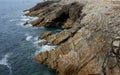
column 45, row 35
column 88, row 45
column 54, row 14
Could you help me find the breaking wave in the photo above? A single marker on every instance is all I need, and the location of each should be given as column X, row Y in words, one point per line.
column 27, row 18
column 28, row 37
column 45, row 48
column 4, row 61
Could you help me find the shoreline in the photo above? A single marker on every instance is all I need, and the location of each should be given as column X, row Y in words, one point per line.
column 84, row 45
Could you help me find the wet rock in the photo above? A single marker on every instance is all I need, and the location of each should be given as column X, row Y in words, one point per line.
column 25, row 23
column 43, row 43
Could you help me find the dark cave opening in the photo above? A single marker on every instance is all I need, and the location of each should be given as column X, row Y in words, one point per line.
column 62, row 18
column 59, row 21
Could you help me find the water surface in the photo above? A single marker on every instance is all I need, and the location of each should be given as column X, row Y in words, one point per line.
column 17, row 42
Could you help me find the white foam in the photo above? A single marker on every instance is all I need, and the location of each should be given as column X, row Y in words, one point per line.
column 45, row 48
column 4, row 61
column 38, row 41
column 36, row 38
column 24, row 26
column 34, row 18
column 13, row 20
column 20, row 24
column 29, row 37
column 28, row 18
column 26, row 12
column 29, row 25
column 25, row 19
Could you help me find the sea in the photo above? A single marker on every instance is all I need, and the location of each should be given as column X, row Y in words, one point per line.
column 19, row 43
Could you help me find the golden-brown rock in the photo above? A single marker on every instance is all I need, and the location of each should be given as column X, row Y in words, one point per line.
column 45, row 35
column 91, row 43
column 53, row 14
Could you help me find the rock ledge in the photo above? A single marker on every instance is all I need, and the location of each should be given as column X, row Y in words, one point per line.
column 90, row 41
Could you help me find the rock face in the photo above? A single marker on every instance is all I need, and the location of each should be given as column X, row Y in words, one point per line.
column 54, row 14
column 90, row 41
column 45, row 35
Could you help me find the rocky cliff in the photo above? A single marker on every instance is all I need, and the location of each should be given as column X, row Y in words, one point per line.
column 90, row 41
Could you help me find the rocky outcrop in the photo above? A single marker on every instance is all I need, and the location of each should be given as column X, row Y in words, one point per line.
column 90, row 41
column 45, row 35
column 55, row 14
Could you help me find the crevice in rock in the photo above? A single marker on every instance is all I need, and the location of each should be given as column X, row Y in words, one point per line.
column 105, row 64
column 59, row 21
column 59, row 15
column 116, row 51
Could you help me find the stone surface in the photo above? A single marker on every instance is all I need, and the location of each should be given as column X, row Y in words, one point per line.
column 45, row 35
column 43, row 43
column 54, row 14
column 90, row 42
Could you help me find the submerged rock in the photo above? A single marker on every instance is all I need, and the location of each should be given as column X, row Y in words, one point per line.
column 90, row 42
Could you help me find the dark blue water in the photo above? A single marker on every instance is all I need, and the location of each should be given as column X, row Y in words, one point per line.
column 17, row 42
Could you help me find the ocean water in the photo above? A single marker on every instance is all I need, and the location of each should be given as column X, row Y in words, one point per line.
column 19, row 43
